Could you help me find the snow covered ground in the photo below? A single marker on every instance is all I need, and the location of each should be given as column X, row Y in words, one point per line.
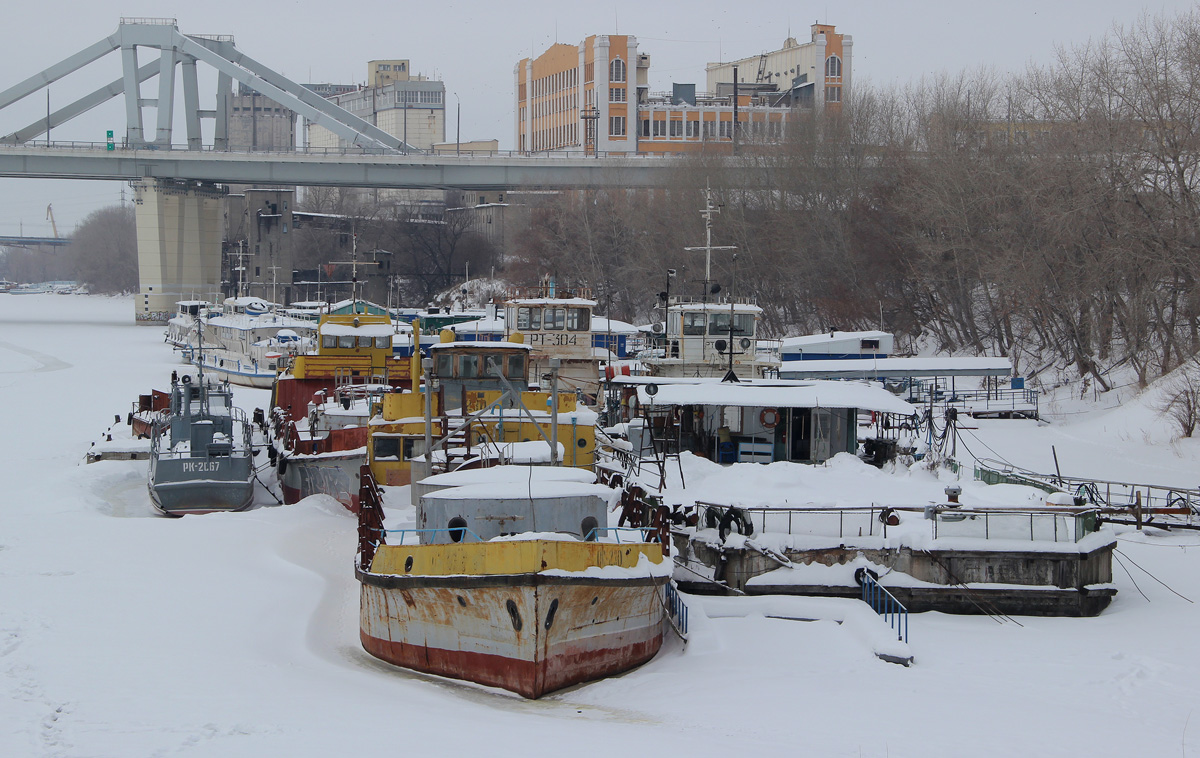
column 123, row 633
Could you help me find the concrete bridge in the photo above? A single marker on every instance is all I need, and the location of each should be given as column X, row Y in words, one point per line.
column 348, row 168
column 177, row 185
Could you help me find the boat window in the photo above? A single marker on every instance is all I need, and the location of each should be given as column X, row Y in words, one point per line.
column 578, row 319
column 328, row 340
column 529, row 318
column 445, row 365
column 364, row 341
column 743, row 324
column 387, row 447
column 413, row 446
column 516, row 366
column 468, row 366
column 673, row 324
column 555, row 319
column 383, row 343
column 347, row 341
column 693, row 324
column 493, row 366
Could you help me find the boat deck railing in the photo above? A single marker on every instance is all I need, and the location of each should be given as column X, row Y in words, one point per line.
column 1183, row 501
column 1064, row 524
column 457, row 533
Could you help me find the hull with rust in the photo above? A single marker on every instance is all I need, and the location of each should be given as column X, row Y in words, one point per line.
column 333, row 474
column 528, row 633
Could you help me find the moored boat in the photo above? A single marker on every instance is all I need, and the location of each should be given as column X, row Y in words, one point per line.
column 201, row 452
column 510, row 587
column 323, row 402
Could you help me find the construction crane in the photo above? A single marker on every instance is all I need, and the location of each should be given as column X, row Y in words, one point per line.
column 50, row 218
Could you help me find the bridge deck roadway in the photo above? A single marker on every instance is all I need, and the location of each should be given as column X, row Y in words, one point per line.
column 339, row 170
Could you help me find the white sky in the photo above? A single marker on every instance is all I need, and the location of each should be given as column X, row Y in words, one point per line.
column 472, row 46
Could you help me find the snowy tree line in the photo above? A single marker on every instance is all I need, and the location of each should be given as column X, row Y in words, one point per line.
column 1050, row 216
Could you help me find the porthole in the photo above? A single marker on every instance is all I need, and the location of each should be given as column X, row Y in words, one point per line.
column 550, row 614
column 588, row 528
column 457, row 527
column 581, row 442
column 408, row 564
column 514, row 614
column 462, row 601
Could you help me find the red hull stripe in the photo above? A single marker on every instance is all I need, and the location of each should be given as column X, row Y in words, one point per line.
column 531, row 679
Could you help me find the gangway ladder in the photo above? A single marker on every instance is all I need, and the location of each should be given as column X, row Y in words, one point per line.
column 663, row 427
column 884, row 603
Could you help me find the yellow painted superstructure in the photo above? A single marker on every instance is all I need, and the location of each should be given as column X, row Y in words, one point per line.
column 399, row 429
column 509, row 557
column 511, row 424
column 367, row 358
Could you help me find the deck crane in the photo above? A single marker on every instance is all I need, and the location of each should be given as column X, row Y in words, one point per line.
column 50, row 218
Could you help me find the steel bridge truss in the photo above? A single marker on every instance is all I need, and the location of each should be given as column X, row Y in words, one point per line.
column 185, row 51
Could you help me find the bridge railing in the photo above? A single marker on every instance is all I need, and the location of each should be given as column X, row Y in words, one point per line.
column 339, row 151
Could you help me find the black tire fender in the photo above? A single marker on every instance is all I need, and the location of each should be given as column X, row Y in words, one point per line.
column 735, row 520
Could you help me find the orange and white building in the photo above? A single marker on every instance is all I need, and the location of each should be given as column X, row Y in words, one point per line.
column 595, row 97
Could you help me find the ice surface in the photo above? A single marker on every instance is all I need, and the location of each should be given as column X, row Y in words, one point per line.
column 236, row 634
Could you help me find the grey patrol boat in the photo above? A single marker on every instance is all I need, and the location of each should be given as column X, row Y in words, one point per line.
column 201, row 457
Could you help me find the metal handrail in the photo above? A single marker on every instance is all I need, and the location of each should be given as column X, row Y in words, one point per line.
column 644, row 530
column 460, row 529
column 676, row 608
column 885, row 604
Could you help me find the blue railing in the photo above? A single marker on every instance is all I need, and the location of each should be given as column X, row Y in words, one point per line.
column 643, row 531
column 885, row 604
column 462, row 530
column 676, row 608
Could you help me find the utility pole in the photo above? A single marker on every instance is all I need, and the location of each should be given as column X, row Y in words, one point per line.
column 735, row 110
column 458, row 126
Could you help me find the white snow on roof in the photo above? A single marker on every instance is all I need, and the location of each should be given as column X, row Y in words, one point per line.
column 719, row 307
column 601, row 325
column 578, row 302
column 979, row 366
column 522, row 490
column 510, row 474
column 817, row 394
column 817, row 339
column 366, row 330
column 480, row 345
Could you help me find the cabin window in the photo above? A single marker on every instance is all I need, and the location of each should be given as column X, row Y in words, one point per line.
column 673, row 324
column 493, row 366
column 328, row 340
column 516, row 366
column 555, row 319
column 693, row 324
column 383, row 343
column 578, row 319
column 529, row 318
column 413, row 446
column 468, row 366
column 445, row 365
column 870, row 344
column 346, row 341
column 743, row 324
column 387, row 447
column 364, row 341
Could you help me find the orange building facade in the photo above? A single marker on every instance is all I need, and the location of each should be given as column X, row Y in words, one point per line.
column 594, row 97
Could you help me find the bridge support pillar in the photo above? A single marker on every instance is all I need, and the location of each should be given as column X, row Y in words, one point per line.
column 179, row 229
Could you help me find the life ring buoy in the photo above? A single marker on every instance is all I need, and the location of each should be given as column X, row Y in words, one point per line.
column 769, row 418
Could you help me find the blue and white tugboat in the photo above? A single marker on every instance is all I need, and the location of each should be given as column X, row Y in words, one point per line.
column 201, row 456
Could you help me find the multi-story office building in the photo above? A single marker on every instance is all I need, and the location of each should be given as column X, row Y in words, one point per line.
column 595, row 97
column 407, row 106
column 814, row 74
